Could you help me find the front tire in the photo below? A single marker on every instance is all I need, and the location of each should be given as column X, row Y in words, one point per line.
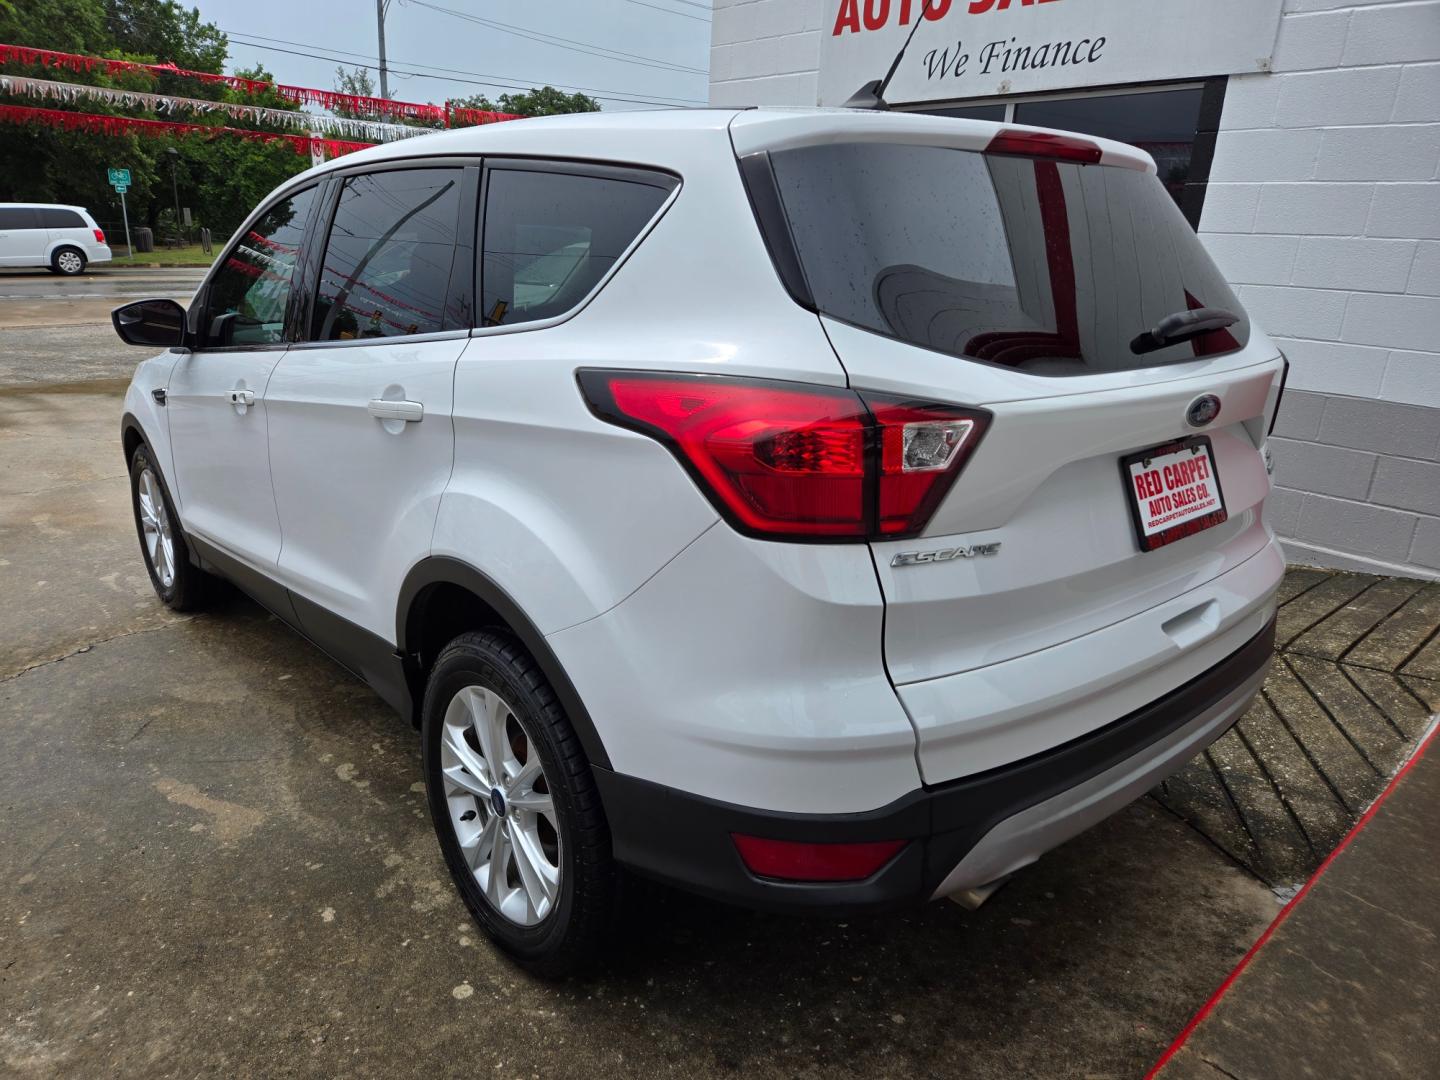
column 178, row 582
column 68, row 262
column 515, row 807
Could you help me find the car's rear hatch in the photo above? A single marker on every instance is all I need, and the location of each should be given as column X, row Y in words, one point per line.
column 1017, row 282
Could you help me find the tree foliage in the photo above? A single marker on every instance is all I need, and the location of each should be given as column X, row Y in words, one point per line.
column 543, row 101
column 221, row 178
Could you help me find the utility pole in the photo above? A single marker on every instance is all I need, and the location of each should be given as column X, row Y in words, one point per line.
column 380, row 18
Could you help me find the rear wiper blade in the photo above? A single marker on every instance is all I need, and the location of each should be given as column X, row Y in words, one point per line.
column 1182, row 326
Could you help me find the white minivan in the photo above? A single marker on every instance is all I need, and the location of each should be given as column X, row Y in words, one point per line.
column 818, row 510
column 63, row 239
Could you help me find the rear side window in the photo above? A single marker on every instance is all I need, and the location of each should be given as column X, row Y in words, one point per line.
column 549, row 238
column 386, row 270
column 18, row 217
column 56, row 218
column 1049, row 267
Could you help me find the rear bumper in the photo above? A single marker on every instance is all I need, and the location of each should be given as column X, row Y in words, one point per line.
column 961, row 834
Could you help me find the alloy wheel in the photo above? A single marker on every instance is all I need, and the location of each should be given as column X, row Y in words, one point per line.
column 500, row 805
column 70, row 262
column 155, row 525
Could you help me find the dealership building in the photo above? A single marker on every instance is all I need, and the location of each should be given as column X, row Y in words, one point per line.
column 1301, row 138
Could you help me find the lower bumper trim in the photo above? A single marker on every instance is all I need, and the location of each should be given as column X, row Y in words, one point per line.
column 684, row 840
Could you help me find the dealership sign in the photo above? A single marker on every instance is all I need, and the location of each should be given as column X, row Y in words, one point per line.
column 978, row 48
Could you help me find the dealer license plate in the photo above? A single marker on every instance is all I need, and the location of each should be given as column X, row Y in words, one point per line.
column 1173, row 490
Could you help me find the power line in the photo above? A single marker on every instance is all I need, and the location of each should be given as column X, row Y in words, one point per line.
column 563, row 43
column 453, row 71
column 487, row 82
column 672, row 11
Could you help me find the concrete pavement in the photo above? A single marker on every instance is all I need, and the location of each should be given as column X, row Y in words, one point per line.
column 1345, row 985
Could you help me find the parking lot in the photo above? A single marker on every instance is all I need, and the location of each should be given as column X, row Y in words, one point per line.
column 218, row 856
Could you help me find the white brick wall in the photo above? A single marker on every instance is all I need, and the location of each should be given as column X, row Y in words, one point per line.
column 1324, row 208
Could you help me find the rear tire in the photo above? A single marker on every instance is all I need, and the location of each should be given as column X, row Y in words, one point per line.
column 524, row 837
column 68, row 262
column 177, row 581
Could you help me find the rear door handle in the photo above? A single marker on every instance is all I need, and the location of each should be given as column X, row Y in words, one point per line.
column 409, row 411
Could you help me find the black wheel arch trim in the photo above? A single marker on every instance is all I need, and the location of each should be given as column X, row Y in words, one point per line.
column 442, row 570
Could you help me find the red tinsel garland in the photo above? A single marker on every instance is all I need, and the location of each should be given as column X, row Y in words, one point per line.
column 124, row 125
column 299, row 95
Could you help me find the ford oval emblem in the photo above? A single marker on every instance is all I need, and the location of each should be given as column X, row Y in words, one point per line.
column 1203, row 410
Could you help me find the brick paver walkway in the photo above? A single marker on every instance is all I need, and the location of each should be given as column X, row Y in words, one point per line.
column 1353, row 688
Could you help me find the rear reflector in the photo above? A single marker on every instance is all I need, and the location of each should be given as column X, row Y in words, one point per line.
column 1042, row 144
column 789, row 860
column 99, row 236
column 788, row 461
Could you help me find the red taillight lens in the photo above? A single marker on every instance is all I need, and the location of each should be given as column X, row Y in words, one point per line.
column 1043, row 144
column 787, row 461
column 99, row 236
column 789, row 860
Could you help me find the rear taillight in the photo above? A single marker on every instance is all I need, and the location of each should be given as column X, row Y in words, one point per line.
column 790, row 461
column 789, row 860
column 1043, row 144
column 99, row 236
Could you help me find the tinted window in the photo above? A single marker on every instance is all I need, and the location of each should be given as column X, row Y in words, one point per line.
column 55, row 218
column 994, row 113
column 1163, row 124
column 387, row 263
column 248, row 294
column 550, row 238
column 18, row 217
column 1047, row 266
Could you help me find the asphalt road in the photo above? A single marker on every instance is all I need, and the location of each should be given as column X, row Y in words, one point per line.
column 40, row 298
column 217, row 858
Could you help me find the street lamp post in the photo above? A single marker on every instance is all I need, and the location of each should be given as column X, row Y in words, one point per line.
column 174, row 156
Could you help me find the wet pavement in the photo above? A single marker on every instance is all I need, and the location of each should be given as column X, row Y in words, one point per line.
column 217, row 858
column 40, row 298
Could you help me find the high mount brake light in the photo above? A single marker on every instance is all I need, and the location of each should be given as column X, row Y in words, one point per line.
column 789, row 461
column 1043, row 144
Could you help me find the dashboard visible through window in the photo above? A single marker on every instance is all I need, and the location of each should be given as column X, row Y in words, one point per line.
column 248, row 294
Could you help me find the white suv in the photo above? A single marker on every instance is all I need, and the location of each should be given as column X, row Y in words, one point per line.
column 815, row 509
column 64, row 239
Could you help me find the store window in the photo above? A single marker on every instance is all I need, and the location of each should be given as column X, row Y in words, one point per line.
column 1175, row 125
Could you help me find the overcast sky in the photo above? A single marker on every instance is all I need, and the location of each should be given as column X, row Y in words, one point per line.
column 663, row 38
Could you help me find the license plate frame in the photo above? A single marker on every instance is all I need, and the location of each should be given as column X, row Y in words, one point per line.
column 1187, row 526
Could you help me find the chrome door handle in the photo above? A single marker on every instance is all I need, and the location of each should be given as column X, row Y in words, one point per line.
column 242, row 397
column 409, row 411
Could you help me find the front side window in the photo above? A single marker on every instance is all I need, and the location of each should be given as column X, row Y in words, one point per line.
column 551, row 237
column 387, row 263
column 1045, row 266
column 248, row 294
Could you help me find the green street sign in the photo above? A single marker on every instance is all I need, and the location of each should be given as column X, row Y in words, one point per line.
column 119, row 178
column 120, row 189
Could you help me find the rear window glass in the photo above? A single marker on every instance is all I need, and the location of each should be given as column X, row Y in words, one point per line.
column 1049, row 267
column 550, row 237
column 55, row 218
column 18, row 217
column 387, row 263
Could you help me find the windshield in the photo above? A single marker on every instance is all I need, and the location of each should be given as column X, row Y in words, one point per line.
column 1049, row 267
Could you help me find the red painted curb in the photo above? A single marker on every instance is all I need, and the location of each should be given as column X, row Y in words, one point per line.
column 1284, row 914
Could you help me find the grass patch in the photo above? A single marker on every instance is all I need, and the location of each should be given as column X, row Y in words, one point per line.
column 182, row 256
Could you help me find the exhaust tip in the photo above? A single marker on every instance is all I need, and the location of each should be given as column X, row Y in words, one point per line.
column 971, row 899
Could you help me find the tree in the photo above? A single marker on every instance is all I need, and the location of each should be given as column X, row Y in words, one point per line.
column 542, row 101
column 220, row 178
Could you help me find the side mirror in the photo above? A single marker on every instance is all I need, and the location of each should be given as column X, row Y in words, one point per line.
column 157, row 323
